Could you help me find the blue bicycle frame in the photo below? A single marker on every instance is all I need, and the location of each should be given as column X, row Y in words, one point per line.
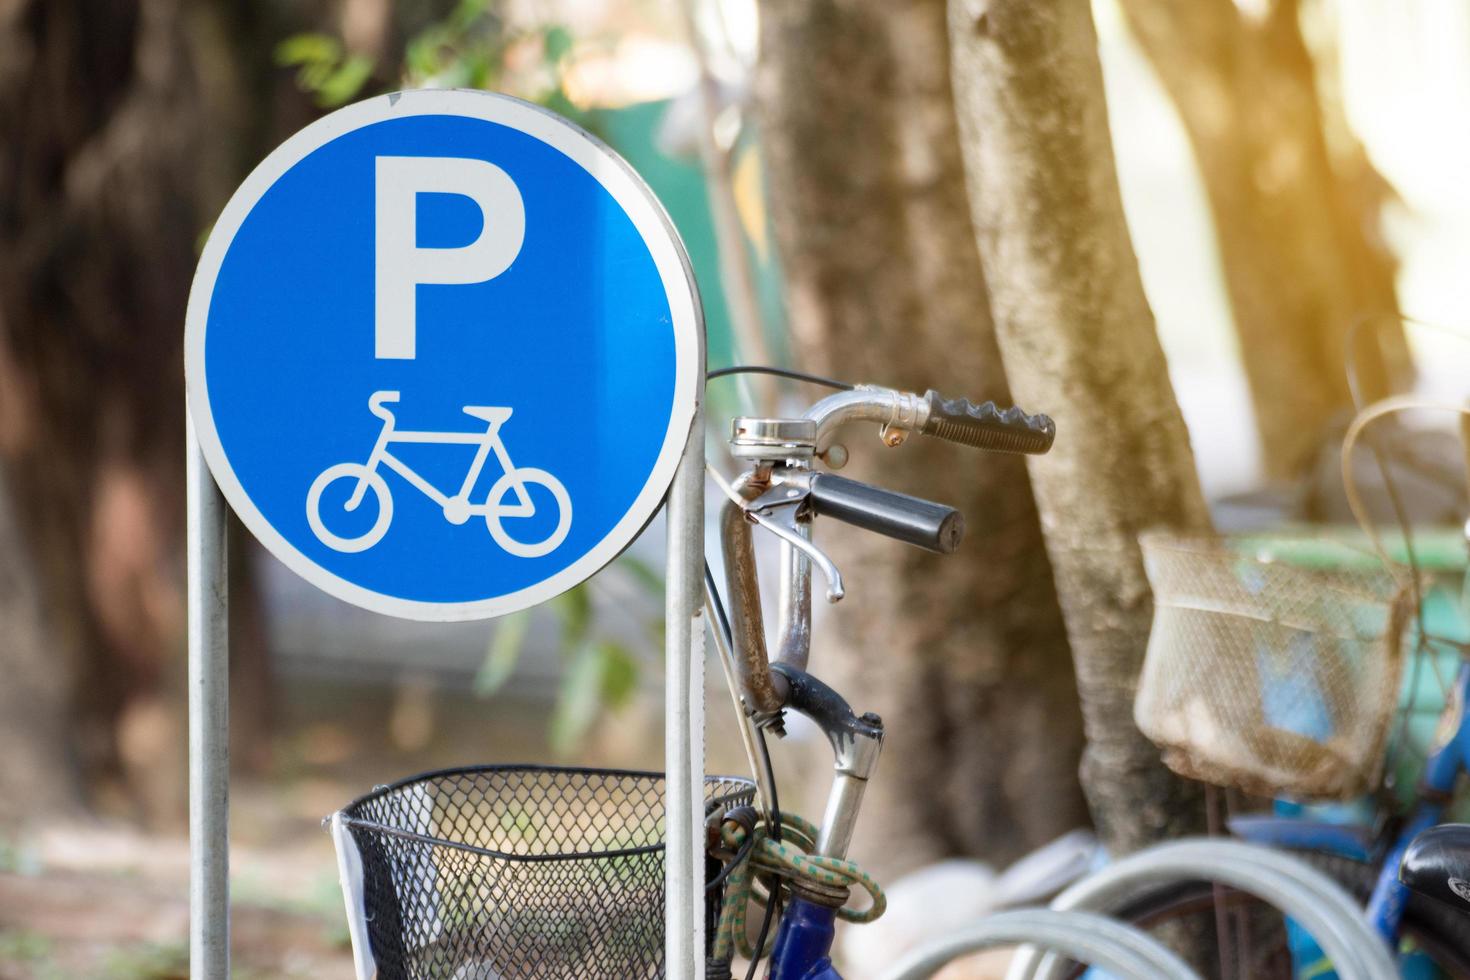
column 1450, row 757
column 804, row 943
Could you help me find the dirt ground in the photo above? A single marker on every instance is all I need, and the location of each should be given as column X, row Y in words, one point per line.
column 104, row 900
column 92, row 901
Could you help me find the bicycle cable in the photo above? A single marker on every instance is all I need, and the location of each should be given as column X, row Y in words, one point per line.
column 795, row 861
column 786, row 373
column 765, row 852
column 774, row 904
column 722, row 623
column 773, row 907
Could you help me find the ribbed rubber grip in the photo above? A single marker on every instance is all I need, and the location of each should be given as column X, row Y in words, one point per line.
column 912, row 520
column 1002, row 430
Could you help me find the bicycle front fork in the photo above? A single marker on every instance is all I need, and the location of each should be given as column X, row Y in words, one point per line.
column 803, row 943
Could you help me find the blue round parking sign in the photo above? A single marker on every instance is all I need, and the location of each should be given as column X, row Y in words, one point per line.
column 443, row 352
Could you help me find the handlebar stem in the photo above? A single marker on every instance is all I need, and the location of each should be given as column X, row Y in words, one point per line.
column 766, row 692
column 893, row 410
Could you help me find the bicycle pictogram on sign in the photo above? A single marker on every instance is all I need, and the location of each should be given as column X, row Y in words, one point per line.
column 457, row 508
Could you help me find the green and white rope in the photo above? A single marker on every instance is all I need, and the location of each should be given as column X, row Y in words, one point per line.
column 789, row 858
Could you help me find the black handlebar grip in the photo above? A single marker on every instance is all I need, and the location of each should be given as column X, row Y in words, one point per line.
column 911, row 520
column 1003, row 430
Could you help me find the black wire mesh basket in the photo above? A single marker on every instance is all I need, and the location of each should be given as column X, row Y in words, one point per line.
column 517, row 872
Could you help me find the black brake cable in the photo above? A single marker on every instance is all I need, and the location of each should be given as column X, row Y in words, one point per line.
column 786, row 373
column 722, row 623
column 773, row 902
column 772, row 906
column 729, row 868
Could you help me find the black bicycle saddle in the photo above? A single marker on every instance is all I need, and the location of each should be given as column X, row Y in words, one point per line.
column 1437, row 864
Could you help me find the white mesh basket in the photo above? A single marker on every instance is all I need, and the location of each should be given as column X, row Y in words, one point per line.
column 1276, row 678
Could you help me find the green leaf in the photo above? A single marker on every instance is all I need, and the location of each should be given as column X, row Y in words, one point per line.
column 619, row 673
column 574, row 609
column 453, row 74
column 422, row 57
column 312, row 77
column 577, row 701
column 345, row 82
column 643, row 573
column 467, row 12
column 477, row 69
column 303, row 49
column 556, row 44
column 503, row 654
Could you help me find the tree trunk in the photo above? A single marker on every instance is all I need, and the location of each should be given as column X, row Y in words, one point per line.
column 127, row 125
column 1079, row 342
column 965, row 657
column 34, row 767
column 1298, row 231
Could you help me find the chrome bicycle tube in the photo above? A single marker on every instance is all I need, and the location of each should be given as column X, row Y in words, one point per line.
column 765, row 691
column 795, row 589
column 895, row 411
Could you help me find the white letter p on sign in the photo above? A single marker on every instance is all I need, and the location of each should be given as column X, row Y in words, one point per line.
column 402, row 264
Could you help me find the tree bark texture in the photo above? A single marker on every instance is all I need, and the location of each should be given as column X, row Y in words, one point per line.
column 1298, row 228
column 966, row 656
column 35, row 770
column 128, row 123
column 1079, row 342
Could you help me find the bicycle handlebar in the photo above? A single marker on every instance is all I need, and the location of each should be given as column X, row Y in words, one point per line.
column 985, row 426
column 782, row 494
column 782, row 449
column 911, row 520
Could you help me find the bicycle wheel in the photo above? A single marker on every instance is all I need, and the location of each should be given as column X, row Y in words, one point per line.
column 1439, row 932
column 353, row 472
column 527, row 476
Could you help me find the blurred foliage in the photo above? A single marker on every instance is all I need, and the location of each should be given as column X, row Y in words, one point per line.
column 32, row 950
column 474, row 46
column 324, row 68
column 321, row 901
column 17, row 858
column 601, row 670
column 148, row 961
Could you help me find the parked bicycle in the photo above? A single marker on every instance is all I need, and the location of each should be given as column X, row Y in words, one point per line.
column 1284, row 680
column 457, row 507
column 783, row 494
column 531, row 871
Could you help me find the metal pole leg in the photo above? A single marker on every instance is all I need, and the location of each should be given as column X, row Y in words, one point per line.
column 684, row 715
column 209, row 701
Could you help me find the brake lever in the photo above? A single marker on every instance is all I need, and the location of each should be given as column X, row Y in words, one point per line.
column 777, row 510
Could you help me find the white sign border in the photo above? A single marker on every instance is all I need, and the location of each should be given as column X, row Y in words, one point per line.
column 636, row 200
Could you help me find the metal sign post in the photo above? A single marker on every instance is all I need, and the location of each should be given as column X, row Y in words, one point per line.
column 684, row 713
column 447, row 272
column 209, row 722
